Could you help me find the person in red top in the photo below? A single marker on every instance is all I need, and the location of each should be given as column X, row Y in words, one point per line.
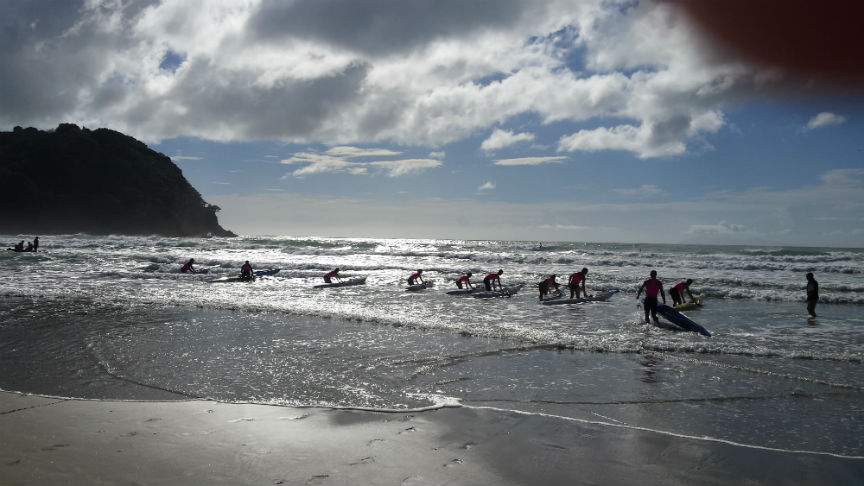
column 677, row 292
column 465, row 281
column 331, row 275
column 575, row 280
column 418, row 275
column 489, row 281
column 187, row 267
column 246, row 271
column 652, row 287
column 547, row 285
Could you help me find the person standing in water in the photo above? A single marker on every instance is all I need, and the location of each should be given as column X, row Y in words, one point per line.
column 547, row 285
column 187, row 267
column 652, row 287
column 812, row 294
column 331, row 275
column 465, row 281
column 489, row 281
column 246, row 271
column 677, row 292
column 575, row 280
column 418, row 275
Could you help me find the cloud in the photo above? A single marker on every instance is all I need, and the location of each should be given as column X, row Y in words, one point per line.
column 341, row 72
column 504, row 138
column 645, row 190
column 716, row 229
column 530, row 161
column 825, row 119
column 487, row 186
column 185, row 157
column 339, row 159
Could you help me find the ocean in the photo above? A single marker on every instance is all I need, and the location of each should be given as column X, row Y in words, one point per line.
column 112, row 317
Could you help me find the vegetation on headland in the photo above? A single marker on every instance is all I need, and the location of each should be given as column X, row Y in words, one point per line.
column 75, row 180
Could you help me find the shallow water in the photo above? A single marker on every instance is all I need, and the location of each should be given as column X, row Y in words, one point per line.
column 114, row 318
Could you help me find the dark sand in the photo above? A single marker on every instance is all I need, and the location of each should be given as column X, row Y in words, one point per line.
column 56, row 441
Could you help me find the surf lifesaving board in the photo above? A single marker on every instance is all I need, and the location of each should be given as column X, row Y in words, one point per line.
column 507, row 291
column 604, row 296
column 416, row 287
column 344, row 283
column 690, row 305
column 680, row 319
column 269, row 271
column 461, row 291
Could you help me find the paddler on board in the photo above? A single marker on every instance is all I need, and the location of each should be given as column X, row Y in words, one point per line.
column 331, row 275
column 652, row 287
column 489, row 281
column 677, row 292
column 575, row 280
column 547, row 285
column 464, row 281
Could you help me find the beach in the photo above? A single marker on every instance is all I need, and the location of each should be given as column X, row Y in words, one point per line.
column 133, row 372
column 61, row 441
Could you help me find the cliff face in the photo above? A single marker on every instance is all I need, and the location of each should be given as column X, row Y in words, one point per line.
column 75, row 180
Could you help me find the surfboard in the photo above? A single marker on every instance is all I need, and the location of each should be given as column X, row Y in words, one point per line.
column 413, row 288
column 461, row 291
column 601, row 297
column 507, row 291
column 344, row 283
column 680, row 319
column 690, row 305
column 269, row 271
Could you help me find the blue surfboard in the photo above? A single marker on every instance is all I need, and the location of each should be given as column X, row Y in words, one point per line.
column 680, row 319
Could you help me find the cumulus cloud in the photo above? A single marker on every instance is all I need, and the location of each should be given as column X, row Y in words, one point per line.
column 343, row 159
column 422, row 73
column 825, row 119
column 504, row 138
column 530, row 160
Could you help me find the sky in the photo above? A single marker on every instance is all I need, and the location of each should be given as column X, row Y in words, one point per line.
column 547, row 120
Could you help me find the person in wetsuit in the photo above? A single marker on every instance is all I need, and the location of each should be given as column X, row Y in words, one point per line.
column 677, row 292
column 246, row 271
column 652, row 287
column 575, row 280
column 489, row 281
column 812, row 294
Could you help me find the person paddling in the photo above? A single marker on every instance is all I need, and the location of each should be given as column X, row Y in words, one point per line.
column 652, row 287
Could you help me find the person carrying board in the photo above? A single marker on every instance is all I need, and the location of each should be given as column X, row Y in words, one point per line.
column 677, row 292
column 547, row 285
column 465, row 281
column 652, row 287
column 575, row 280
column 418, row 275
column 489, row 281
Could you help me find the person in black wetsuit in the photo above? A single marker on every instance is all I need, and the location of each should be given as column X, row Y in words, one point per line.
column 812, row 294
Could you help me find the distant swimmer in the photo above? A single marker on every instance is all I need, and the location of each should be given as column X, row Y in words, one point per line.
column 652, row 287
column 575, row 280
column 489, row 280
column 812, row 294
column 187, row 267
column 36, row 244
column 464, row 281
column 677, row 292
column 331, row 275
column 246, row 271
column 415, row 277
column 547, row 285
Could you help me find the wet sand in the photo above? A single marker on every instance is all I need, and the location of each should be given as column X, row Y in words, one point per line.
column 58, row 441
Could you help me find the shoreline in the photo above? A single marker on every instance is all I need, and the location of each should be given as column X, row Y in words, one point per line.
column 70, row 441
